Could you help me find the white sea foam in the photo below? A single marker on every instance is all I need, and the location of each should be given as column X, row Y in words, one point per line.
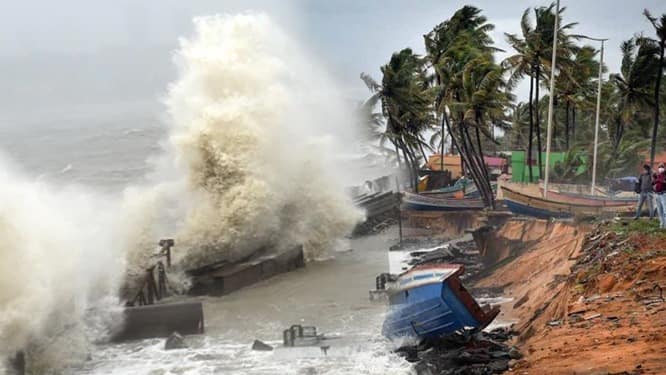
column 247, row 164
column 252, row 122
column 59, row 258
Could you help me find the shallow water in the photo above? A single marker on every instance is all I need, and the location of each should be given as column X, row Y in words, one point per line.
column 331, row 295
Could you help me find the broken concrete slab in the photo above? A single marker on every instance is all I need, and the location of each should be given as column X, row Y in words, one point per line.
column 161, row 320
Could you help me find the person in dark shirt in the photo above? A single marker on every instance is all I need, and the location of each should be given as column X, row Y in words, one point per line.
column 645, row 194
column 659, row 186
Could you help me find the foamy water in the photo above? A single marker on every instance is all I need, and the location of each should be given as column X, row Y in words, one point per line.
column 332, row 295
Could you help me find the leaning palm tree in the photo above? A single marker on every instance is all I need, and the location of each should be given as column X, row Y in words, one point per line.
column 632, row 86
column 455, row 48
column 441, row 38
column 660, row 29
column 373, row 128
column 481, row 101
column 406, row 104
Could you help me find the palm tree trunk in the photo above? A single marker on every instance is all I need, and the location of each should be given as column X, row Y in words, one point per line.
column 619, row 131
column 566, row 126
column 657, row 88
column 455, row 144
column 409, row 155
column 531, row 136
column 479, row 152
column 399, row 148
column 441, row 159
column 425, row 158
column 486, row 180
column 573, row 124
column 538, row 122
column 481, row 176
column 473, row 164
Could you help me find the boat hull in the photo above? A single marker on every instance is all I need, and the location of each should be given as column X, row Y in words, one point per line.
column 523, row 204
column 527, row 210
column 590, row 200
column 427, row 203
column 428, row 309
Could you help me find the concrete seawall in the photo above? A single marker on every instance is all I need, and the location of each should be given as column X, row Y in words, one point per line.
column 225, row 278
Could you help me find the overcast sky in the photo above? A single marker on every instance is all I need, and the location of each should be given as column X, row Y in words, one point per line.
column 74, row 53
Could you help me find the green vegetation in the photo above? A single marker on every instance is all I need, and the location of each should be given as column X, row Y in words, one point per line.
column 650, row 227
column 459, row 94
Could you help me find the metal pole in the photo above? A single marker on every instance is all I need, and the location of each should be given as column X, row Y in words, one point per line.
column 550, row 101
column 596, row 123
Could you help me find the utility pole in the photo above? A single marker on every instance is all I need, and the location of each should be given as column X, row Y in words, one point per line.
column 550, row 100
column 596, row 123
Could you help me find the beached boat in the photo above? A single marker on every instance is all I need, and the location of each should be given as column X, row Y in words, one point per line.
column 523, row 204
column 470, row 191
column 429, row 301
column 462, row 184
column 592, row 200
column 429, row 203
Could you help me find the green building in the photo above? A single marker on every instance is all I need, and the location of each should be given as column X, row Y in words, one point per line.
column 520, row 170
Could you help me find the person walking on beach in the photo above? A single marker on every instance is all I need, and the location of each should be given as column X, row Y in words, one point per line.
column 645, row 191
column 659, row 183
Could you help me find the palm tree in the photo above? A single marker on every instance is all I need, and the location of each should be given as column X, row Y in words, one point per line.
column 632, row 86
column 441, row 38
column 373, row 127
column 575, row 86
column 520, row 126
column 406, row 104
column 660, row 29
column 534, row 50
column 471, row 93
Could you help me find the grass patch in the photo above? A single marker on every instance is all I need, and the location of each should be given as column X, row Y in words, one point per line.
column 644, row 226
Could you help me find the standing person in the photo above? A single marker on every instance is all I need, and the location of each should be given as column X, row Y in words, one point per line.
column 645, row 191
column 659, row 183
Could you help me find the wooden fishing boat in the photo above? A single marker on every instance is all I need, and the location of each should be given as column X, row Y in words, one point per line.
column 591, row 200
column 427, row 203
column 523, row 204
column 470, row 191
column 429, row 301
column 458, row 190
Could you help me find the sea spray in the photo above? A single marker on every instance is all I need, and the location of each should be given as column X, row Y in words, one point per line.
column 251, row 126
column 59, row 260
column 253, row 132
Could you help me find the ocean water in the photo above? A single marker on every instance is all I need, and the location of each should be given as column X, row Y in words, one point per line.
column 106, row 150
column 331, row 295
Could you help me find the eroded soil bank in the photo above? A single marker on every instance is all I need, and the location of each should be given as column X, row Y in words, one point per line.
column 587, row 299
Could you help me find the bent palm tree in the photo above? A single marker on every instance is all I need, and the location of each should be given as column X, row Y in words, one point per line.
column 632, row 85
column 406, row 105
column 471, row 95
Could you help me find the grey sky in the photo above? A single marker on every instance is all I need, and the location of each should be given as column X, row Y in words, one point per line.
column 71, row 55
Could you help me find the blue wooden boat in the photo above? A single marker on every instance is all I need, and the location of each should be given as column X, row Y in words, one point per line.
column 470, row 191
column 460, row 185
column 428, row 203
column 429, row 301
